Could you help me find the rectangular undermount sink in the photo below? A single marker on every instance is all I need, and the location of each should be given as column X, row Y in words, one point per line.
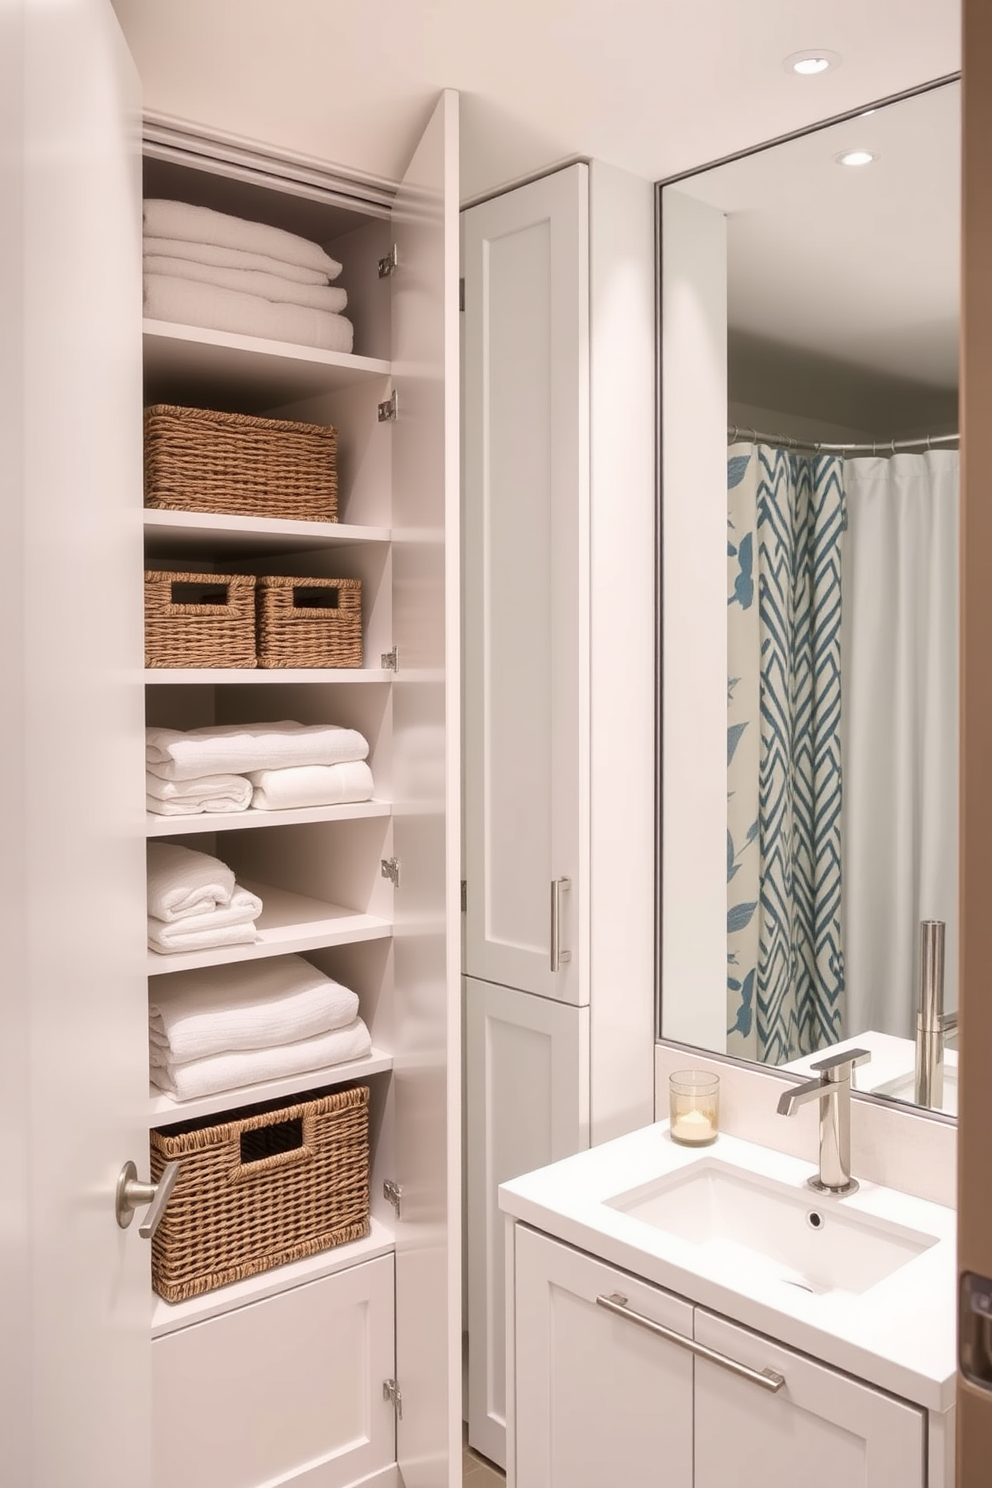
column 747, row 1224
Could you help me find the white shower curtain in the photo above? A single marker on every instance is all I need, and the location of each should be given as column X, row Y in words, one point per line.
column 900, row 730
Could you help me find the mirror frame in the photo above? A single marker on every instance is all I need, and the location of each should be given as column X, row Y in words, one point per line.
column 888, row 1102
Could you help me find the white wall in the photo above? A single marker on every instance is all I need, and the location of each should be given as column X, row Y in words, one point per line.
column 14, row 1238
column 694, row 624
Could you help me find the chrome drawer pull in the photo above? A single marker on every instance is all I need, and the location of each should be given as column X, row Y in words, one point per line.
column 768, row 1379
column 558, row 956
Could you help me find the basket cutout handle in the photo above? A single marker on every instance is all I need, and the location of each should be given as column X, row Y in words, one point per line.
column 278, row 1144
column 203, row 594
column 308, row 597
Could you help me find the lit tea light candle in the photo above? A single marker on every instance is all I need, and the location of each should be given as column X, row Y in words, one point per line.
column 693, row 1126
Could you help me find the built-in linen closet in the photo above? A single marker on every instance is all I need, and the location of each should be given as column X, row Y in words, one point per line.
column 363, row 890
column 340, row 1368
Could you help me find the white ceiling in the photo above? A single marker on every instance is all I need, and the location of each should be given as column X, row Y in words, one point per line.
column 860, row 264
column 655, row 86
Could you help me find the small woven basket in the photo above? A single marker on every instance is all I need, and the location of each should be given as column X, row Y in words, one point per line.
column 197, row 459
column 259, row 1189
column 309, row 622
column 199, row 620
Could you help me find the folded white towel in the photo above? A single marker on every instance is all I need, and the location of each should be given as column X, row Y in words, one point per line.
column 232, row 258
column 250, row 281
column 254, row 1005
column 231, row 1071
column 215, row 309
column 173, row 219
column 184, row 882
column 311, row 785
column 191, row 797
column 172, row 754
column 230, row 924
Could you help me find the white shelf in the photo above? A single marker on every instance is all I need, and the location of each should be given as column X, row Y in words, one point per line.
column 177, row 532
column 236, row 821
column 288, row 923
column 265, row 676
column 169, row 1317
column 164, row 1111
column 186, row 364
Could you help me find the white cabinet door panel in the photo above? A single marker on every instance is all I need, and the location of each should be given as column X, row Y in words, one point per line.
column 426, row 837
column 821, row 1430
column 287, row 1391
column 526, row 513
column 527, row 1098
column 72, row 875
column 599, row 1401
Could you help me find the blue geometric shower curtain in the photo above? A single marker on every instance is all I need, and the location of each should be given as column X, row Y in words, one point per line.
column 785, row 980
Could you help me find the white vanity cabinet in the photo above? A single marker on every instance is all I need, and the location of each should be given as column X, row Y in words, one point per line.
column 601, row 1399
column 559, row 760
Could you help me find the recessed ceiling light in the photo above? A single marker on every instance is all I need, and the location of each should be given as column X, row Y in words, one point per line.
column 808, row 64
column 855, row 157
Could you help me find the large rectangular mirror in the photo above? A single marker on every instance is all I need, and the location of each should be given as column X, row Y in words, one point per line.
column 810, row 599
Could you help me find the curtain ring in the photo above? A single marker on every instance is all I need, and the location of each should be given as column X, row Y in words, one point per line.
column 733, row 435
column 874, row 448
column 754, row 436
column 928, row 444
column 893, row 443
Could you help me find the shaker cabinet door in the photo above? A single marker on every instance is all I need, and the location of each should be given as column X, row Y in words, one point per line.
column 525, row 258
column 598, row 1400
column 821, row 1429
column 527, row 1105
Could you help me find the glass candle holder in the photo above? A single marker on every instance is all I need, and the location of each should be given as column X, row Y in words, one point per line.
column 694, row 1107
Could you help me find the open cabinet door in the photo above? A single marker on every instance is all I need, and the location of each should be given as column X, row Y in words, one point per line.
column 426, row 937
column 974, row 1457
column 74, row 1364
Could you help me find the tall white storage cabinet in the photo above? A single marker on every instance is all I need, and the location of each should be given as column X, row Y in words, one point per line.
column 559, row 758
column 343, row 1368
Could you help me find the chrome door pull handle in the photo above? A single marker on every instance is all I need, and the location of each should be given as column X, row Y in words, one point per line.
column 558, row 956
column 133, row 1195
column 767, row 1379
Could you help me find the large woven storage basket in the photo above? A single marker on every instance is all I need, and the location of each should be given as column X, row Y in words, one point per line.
column 259, row 1189
column 197, row 459
column 309, row 622
column 199, row 620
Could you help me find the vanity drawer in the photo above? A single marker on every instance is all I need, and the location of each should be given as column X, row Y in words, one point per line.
column 821, row 1429
column 286, row 1390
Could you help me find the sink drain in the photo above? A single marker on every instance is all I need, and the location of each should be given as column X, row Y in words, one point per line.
column 815, row 1219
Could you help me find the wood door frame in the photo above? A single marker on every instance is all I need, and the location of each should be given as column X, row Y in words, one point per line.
column 975, row 1117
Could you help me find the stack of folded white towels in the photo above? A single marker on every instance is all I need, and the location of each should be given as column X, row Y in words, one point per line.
column 268, row 766
column 230, row 1026
column 206, row 268
column 194, row 902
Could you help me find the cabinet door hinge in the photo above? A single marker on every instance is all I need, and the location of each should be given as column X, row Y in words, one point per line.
column 387, row 660
column 389, row 264
column 391, row 1391
column 392, row 1191
column 391, row 870
column 464, row 895
column 388, row 411
column 461, row 294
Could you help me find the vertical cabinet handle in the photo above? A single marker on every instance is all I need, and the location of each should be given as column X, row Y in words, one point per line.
column 765, row 1379
column 558, row 956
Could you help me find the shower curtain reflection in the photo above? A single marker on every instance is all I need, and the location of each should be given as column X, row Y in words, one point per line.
column 785, row 981
column 900, row 730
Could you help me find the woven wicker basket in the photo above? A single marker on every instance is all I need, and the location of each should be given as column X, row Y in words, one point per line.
column 200, row 460
column 309, row 622
column 260, row 1189
column 199, row 620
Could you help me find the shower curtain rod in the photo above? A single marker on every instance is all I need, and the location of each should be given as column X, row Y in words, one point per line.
column 877, row 446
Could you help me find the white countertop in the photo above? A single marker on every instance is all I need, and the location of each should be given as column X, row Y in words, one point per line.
column 899, row 1334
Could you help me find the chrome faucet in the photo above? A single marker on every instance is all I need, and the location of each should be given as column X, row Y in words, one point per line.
column 932, row 1024
column 833, row 1091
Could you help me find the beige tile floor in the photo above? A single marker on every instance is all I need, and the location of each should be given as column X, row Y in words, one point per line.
column 479, row 1472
